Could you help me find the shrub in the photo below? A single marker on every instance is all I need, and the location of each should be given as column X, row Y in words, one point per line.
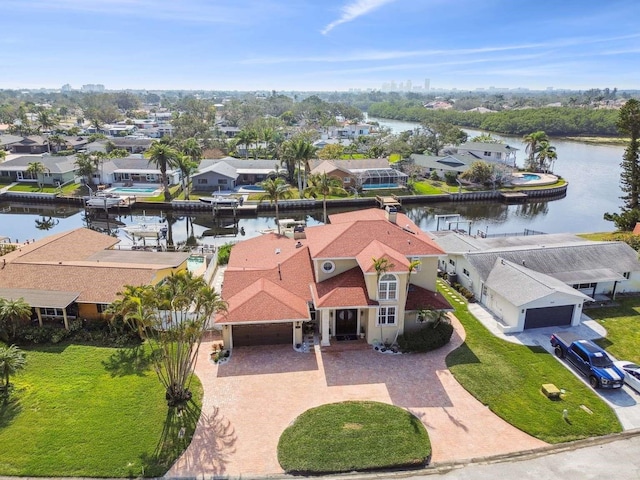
column 450, row 178
column 430, row 337
column 434, row 176
column 223, row 253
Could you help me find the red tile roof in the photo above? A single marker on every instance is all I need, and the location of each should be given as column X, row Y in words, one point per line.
column 636, row 229
column 378, row 250
column 353, row 231
column 420, row 298
column 344, row 290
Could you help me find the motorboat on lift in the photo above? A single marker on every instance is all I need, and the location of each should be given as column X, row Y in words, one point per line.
column 103, row 200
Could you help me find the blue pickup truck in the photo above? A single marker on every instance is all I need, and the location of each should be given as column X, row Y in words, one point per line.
column 589, row 359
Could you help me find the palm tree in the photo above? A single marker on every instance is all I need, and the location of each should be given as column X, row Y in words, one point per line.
column 57, row 140
column 323, row 184
column 302, row 150
column 3, row 154
column 381, row 266
column 85, row 165
column 188, row 164
column 12, row 312
column 46, row 223
column 275, row 189
column 12, row 359
column 35, row 169
column 546, row 155
column 533, row 141
column 246, row 138
column 163, row 156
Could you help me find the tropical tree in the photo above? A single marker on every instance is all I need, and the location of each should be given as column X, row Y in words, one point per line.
column 439, row 134
column 301, row 150
column 246, row 137
column 629, row 124
column 12, row 312
column 163, row 156
column 323, row 184
column 56, row 140
column 546, row 155
column 12, row 359
column 172, row 316
column 275, row 189
column 533, row 142
column 86, row 167
column 331, row 151
column 486, row 138
column 36, row 169
column 188, row 163
column 3, row 154
column 46, row 223
column 479, row 172
column 381, row 266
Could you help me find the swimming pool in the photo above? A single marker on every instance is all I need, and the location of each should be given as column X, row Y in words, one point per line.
column 379, row 185
column 195, row 263
column 250, row 188
column 530, row 177
column 133, row 190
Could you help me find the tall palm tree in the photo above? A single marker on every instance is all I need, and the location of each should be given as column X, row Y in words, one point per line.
column 245, row 137
column 163, row 156
column 275, row 189
column 193, row 153
column 11, row 313
column 36, row 169
column 323, row 184
column 546, row 155
column 57, row 140
column 85, row 165
column 302, row 150
column 12, row 359
column 533, row 141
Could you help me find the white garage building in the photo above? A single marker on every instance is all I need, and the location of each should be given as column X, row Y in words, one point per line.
column 538, row 280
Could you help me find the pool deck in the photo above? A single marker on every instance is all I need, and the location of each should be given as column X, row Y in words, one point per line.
column 545, row 179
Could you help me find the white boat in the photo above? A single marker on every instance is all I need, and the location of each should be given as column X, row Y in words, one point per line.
column 147, row 230
column 219, row 200
column 104, row 200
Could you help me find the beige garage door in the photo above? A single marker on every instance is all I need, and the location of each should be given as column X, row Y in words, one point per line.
column 268, row 334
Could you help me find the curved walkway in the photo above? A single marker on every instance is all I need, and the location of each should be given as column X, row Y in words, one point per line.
column 249, row 401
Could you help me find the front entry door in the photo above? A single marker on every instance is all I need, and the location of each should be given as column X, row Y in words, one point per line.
column 346, row 322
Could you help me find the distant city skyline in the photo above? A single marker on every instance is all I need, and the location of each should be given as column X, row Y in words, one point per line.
column 293, row 45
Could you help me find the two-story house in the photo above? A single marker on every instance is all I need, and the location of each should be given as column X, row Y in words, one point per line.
column 366, row 274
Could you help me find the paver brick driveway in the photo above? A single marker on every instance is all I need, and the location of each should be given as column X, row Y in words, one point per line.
column 249, row 401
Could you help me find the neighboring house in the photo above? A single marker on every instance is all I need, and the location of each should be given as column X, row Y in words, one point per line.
column 33, row 144
column 77, row 274
column 132, row 145
column 133, row 170
column 7, row 141
column 58, row 170
column 277, row 287
column 323, row 142
column 350, row 131
column 74, row 143
column 538, row 280
column 361, row 173
column 227, row 173
column 490, row 152
column 457, row 163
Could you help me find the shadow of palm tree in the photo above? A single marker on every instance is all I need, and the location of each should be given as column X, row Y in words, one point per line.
column 10, row 408
column 209, row 438
column 128, row 361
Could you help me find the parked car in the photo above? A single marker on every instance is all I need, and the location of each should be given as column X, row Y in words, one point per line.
column 589, row 359
column 631, row 374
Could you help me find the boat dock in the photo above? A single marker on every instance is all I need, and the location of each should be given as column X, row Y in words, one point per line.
column 388, row 201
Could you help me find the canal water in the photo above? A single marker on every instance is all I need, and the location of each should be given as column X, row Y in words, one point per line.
column 593, row 173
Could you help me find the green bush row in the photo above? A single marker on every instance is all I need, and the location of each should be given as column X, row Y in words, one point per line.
column 431, row 336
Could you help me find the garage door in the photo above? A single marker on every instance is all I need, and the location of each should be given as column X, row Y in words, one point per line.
column 548, row 316
column 270, row 334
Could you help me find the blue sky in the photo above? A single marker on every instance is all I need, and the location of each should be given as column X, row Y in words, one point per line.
column 319, row 44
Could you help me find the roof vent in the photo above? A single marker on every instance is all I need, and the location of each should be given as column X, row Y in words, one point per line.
column 277, row 251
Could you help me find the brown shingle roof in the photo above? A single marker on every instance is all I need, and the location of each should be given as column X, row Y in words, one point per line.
column 420, row 298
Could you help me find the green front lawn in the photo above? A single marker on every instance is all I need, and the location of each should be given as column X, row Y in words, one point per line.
column 347, row 436
column 85, row 411
column 621, row 322
column 33, row 188
column 507, row 378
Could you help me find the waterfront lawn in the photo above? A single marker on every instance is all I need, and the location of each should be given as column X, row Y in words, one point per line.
column 33, row 188
column 507, row 378
column 85, row 411
column 621, row 323
column 347, row 436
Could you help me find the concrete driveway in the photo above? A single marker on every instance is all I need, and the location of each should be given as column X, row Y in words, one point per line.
column 249, row 401
column 624, row 401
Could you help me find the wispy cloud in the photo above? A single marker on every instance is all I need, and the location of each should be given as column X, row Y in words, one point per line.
column 353, row 10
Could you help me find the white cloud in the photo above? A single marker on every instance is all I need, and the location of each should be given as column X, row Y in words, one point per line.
column 353, row 10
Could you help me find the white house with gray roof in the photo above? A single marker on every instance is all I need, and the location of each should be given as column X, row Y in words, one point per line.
column 490, row 152
column 133, row 170
column 538, row 280
column 57, row 170
column 227, row 173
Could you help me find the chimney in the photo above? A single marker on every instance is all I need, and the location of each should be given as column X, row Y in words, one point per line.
column 392, row 214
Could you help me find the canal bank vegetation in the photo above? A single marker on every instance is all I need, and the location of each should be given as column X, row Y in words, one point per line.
column 556, row 121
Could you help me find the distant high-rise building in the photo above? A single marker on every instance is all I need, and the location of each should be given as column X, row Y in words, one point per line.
column 408, row 86
column 427, row 84
column 93, row 87
column 66, row 88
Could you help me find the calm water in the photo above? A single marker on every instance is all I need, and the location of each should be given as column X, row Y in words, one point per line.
column 593, row 172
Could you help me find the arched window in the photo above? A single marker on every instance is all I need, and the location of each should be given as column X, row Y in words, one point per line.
column 388, row 287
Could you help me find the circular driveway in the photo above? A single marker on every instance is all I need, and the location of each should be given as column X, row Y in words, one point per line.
column 249, row 401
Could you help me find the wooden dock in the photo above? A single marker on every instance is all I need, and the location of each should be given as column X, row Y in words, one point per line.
column 514, row 196
column 388, row 201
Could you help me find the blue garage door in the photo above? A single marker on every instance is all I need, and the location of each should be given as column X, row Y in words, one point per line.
column 548, row 316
